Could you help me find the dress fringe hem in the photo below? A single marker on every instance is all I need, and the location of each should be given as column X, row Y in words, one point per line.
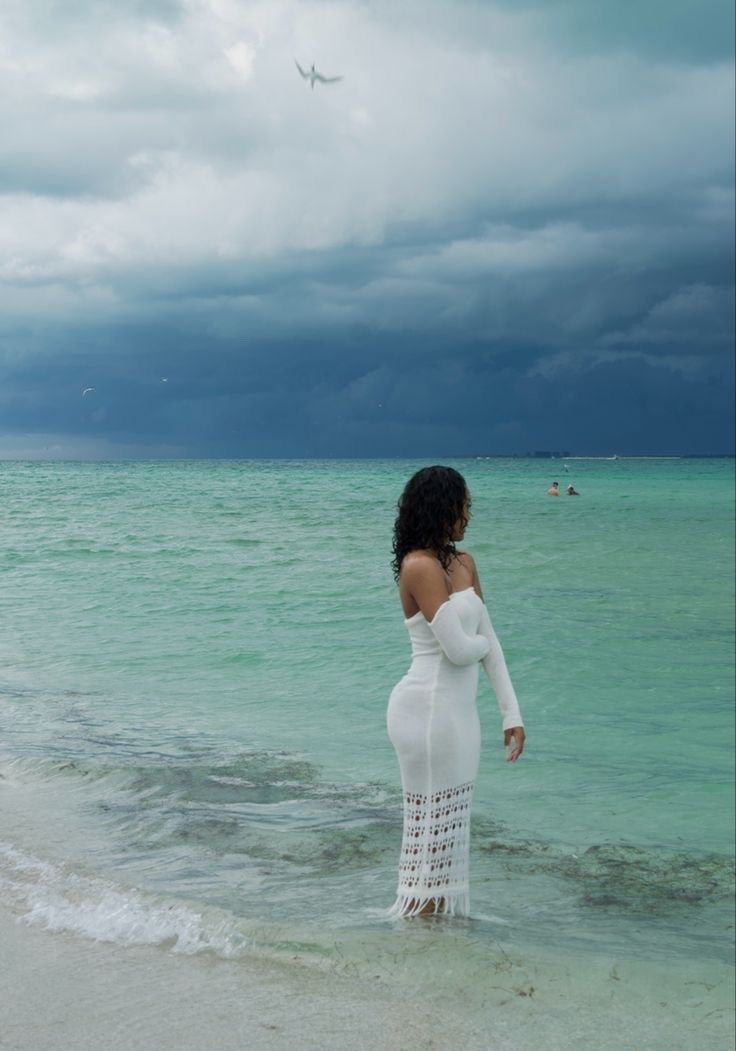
column 448, row 904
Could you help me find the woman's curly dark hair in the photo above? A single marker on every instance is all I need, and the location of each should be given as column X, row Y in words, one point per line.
column 430, row 505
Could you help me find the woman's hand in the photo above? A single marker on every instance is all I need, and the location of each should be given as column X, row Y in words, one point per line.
column 519, row 737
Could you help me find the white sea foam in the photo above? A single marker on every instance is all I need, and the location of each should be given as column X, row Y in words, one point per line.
column 57, row 899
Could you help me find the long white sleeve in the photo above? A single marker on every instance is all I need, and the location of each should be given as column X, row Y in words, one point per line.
column 494, row 665
column 457, row 646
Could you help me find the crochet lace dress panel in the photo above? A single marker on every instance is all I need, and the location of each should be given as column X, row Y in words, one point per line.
column 433, row 867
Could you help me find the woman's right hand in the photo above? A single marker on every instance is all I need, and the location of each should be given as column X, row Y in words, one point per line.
column 517, row 734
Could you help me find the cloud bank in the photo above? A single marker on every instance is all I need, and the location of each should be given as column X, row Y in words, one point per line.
column 509, row 227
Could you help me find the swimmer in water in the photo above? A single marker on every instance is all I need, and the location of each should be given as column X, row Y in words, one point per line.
column 554, row 489
column 572, row 491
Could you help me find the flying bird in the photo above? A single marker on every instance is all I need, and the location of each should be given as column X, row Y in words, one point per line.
column 88, row 390
column 312, row 75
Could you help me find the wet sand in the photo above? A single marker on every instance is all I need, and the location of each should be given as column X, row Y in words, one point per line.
column 58, row 990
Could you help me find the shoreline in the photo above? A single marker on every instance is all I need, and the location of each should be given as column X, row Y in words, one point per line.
column 60, row 990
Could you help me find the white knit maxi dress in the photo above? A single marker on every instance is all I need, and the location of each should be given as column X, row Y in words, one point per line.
column 433, row 725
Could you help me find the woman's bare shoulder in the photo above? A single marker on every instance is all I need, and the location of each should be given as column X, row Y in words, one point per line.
column 466, row 559
column 423, row 584
column 420, row 564
column 421, row 561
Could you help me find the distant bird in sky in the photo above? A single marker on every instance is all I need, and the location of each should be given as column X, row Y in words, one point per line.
column 312, row 75
column 88, row 390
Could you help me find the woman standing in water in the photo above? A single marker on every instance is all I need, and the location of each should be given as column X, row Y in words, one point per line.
column 432, row 715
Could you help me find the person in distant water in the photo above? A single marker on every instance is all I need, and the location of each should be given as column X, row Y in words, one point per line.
column 554, row 489
column 432, row 716
column 572, row 491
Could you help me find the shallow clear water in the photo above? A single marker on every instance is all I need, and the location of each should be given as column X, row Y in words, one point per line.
column 195, row 661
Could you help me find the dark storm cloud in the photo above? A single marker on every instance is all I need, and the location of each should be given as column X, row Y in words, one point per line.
column 531, row 247
column 311, row 399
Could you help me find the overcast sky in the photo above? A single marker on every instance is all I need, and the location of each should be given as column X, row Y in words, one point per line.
column 508, row 228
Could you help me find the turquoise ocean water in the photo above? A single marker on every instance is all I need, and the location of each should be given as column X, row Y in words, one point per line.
column 195, row 661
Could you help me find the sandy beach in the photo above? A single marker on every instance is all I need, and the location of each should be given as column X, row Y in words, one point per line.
column 61, row 991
